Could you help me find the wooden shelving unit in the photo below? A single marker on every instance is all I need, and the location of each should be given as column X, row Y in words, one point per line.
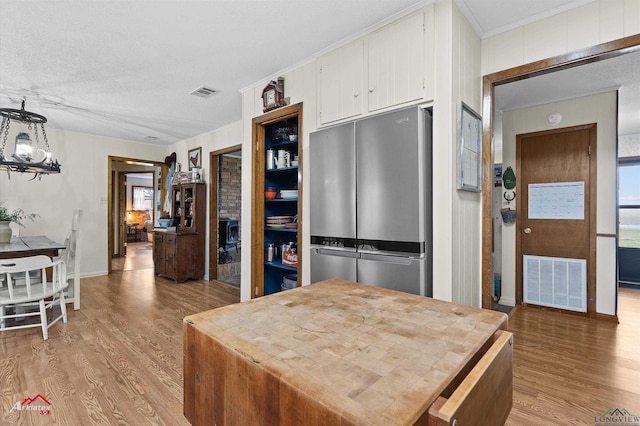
column 272, row 131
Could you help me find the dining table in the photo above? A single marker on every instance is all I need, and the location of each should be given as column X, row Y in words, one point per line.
column 30, row 246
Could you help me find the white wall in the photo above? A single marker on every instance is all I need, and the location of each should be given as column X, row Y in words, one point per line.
column 456, row 72
column 594, row 23
column 224, row 137
column 600, row 109
column 300, row 86
column 82, row 184
column 467, row 207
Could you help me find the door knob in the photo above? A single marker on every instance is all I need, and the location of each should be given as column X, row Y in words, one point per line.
column 527, row 230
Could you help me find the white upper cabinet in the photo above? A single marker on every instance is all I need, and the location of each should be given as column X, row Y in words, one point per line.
column 396, row 63
column 341, row 83
column 382, row 70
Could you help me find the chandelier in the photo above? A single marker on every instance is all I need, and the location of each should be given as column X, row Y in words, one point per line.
column 28, row 155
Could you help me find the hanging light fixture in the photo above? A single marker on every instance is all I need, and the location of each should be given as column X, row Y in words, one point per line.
column 28, row 156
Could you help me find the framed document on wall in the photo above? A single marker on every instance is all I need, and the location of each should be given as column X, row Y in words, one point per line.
column 469, row 173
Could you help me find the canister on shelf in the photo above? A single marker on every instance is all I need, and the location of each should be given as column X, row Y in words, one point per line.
column 271, row 248
column 283, row 248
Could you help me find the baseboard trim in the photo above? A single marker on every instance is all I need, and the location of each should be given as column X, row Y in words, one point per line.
column 508, row 301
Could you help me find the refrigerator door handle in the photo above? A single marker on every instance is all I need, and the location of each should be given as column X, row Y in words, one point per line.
column 383, row 253
column 336, row 252
column 400, row 260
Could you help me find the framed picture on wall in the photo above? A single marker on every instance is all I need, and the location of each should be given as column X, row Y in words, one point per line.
column 469, row 149
column 195, row 158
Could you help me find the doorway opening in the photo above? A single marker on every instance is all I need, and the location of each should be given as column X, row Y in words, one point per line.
column 629, row 222
column 135, row 196
column 225, row 211
column 615, row 50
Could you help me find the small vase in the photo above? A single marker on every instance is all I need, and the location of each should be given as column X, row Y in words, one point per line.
column 5, row 232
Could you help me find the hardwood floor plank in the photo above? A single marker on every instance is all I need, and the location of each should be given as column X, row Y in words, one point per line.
column 569, row 369
column 119, row 359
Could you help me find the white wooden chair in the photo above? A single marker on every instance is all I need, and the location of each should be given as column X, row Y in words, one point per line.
column 70, row 256
column 31, row 292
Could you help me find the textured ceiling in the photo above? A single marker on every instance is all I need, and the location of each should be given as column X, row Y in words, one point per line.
column 621, row 73
column 125, row 68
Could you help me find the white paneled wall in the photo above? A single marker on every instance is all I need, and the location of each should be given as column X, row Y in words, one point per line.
column 594, row 23
column 300, row 86
column 467, row 207
column 450, row 68
column 443, row 155
column 600, row 109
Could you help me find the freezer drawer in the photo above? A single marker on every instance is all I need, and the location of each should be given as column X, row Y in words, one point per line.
column 327, row 263
column 394, row 272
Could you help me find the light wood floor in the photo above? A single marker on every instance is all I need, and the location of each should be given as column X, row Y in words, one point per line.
column 119, row 359
column 568, row 369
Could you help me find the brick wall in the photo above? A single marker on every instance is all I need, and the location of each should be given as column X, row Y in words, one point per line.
column 230, row 192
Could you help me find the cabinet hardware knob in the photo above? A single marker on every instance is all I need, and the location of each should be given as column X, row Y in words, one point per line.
column 527, row 230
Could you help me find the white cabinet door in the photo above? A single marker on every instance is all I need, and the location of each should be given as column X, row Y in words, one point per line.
column 396, row 63
column 340, row 76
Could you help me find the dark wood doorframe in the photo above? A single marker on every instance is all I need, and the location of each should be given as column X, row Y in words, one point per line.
column 592, row 206
column 122, row 207
column 214, row 185
column 596, row 53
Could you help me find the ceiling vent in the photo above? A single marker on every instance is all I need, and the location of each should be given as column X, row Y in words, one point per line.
column 204, row 92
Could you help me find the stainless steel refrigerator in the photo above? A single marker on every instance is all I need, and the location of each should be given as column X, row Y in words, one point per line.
column 370, row 199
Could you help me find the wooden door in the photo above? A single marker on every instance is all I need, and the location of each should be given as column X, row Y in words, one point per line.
column 556, row 205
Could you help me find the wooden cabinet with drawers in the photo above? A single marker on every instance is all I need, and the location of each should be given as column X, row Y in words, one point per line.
column 179, row 253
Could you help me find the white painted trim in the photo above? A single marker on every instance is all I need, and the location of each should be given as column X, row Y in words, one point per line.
column 507, row 301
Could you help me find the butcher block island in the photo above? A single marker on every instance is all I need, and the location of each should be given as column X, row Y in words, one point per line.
column 341, row 353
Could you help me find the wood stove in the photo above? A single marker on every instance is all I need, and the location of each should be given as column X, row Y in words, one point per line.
column 228, row 233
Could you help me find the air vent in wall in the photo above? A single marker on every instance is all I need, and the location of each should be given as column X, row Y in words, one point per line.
column 204, row 92
column 555, row 282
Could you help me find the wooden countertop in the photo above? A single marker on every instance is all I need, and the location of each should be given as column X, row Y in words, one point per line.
column 368, row 355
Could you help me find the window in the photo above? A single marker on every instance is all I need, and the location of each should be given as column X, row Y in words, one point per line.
column 142, row 198
column 629, row 201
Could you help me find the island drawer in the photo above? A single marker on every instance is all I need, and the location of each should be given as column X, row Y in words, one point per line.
column 485, row 395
